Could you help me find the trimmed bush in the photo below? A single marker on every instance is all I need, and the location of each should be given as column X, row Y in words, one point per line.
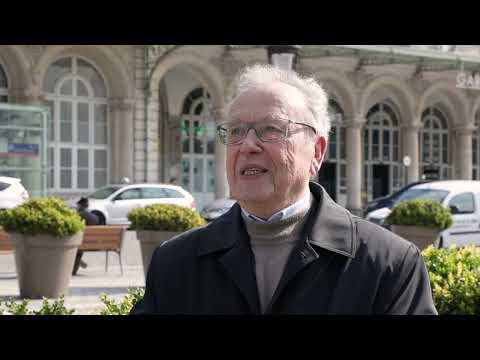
column 164, row 217
column 46, row 215
column 455, row 279
column 57, row 307
column 426, row 213
column 125, row 306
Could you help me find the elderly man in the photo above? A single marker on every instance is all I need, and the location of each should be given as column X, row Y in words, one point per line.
column 286, row 247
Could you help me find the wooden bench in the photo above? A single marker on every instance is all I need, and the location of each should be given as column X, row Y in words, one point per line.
column 6, row 246
column 95, row 238
column 104, row 238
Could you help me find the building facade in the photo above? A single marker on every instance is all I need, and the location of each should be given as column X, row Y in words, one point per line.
column 149, row 113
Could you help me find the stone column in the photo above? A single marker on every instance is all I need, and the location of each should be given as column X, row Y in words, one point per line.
column 221, row 184
column 121, row 139
column 411, row 149
column 354, row 165
column 464, row 153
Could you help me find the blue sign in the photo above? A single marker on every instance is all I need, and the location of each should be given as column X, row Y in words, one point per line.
column 25, row 149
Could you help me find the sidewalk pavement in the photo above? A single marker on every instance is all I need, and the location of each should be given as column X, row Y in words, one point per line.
column 84, row 291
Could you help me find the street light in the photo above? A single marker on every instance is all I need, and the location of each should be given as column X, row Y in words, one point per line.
column 283, row 56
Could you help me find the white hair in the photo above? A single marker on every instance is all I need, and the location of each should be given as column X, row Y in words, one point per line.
column 315, row 96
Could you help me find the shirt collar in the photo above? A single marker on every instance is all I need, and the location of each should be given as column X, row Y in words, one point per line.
column 289, row 211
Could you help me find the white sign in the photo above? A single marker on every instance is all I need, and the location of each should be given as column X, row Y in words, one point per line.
column 466, row 81
column 407, row 161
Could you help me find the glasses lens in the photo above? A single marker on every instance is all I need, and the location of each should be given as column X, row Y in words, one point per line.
column 272, row 131
column 231, row 133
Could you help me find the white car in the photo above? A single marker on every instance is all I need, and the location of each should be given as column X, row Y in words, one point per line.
column 112, row 203
column 12, row 192
column 463, row 200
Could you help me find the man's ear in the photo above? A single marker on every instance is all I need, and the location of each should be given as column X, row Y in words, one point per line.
column 320, row 151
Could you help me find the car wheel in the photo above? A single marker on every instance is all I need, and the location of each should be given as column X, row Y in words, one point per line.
column 101, row 218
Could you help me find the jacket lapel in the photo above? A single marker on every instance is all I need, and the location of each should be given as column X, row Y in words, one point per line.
column 238, row 260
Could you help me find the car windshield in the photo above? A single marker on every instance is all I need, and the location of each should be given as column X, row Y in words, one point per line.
column 103, row 193
column 423, row 194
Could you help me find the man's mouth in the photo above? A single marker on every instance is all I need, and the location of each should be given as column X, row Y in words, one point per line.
column 252, row 171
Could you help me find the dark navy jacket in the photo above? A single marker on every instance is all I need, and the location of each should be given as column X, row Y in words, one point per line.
column 343, row 265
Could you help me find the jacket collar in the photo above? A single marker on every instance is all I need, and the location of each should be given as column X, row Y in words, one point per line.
column 330, row 227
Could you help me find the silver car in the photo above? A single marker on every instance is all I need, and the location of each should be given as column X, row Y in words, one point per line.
column 112, row 203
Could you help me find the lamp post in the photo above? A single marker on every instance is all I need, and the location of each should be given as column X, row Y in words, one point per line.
column 283, row 56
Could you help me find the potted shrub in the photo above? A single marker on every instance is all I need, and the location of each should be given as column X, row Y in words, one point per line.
column 157, row 223
column 419, row 221
column 45, row 235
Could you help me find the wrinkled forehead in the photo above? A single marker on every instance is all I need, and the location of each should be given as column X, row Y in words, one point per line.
column 276, row 100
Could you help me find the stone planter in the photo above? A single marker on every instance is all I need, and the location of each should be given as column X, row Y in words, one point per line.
column 44, row 264
column 421, row 236
column 149, row 241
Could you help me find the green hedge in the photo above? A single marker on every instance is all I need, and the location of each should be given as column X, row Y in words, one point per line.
column 455, row 279
column 421, row 213
column 164, row 217
column 46, row 215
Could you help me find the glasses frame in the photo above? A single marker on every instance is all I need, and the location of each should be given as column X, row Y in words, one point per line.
column 252, row 125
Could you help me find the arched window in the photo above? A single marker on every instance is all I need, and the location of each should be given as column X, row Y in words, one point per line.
column 434, row 141
column 78, row 132
column 382, row 172
column 3, row 86
column 198, row 147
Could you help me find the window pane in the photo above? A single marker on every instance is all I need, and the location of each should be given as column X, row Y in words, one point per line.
column 198, row 130
column 91, row 74
column 211, row 176
column 342, row 143
column 67, row 88
column 81, row 89
column 83, row 124
column 57, row 70
column 100, row 159
column 65, row 121
column 65, row 157
column 100, row 124
column 186, row 173
column 3, row 99
column 51, row 172
column 66, row 179
column 82, row 179
column 100, row 178
column 186, row 136
column 198, row 175
column 82, row 158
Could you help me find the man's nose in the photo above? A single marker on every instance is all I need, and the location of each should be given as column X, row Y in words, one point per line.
column 251, row 142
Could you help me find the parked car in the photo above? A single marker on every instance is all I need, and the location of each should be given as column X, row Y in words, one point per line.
column 12, row 192
column 389, row 200
column 216, row 208
column 463, row 200
column 112, row 203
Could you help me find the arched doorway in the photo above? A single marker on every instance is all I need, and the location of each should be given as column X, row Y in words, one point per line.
column 198, row 147
column 434, row 144
column 332, row 174
column 78, row 149
column 382, row 170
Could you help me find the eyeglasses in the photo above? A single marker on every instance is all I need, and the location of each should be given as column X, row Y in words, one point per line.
column 269, row 131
